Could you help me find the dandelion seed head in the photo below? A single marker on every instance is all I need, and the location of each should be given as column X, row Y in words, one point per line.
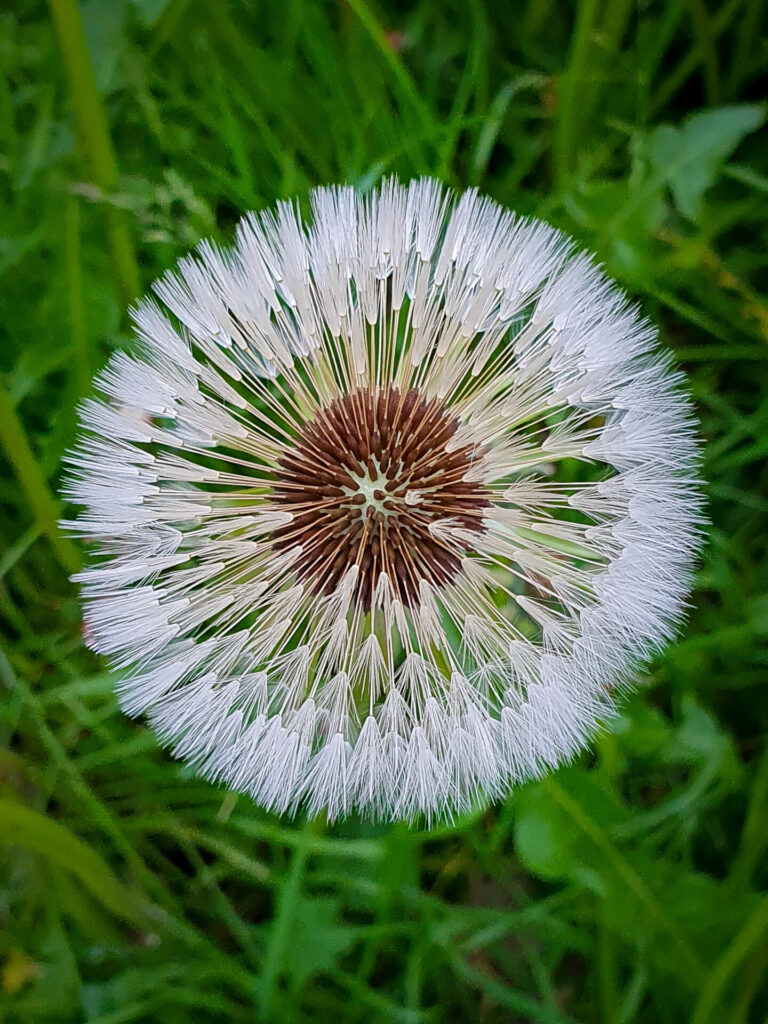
column 387, row 507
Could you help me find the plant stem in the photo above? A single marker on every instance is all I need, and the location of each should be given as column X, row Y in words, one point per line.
column 744, row 942
column 572, row 83
column 284, row 920
column 82, row 361
column 92, row 119
column 14, row 442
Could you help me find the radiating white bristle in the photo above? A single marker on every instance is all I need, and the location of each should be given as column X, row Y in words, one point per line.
column 302, row 697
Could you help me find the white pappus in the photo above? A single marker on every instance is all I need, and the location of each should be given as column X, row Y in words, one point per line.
column 387, row 506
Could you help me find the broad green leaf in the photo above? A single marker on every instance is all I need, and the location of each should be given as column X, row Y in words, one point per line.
column 621, row 221
column 690, row 158
column 701, row 738
column 564, row 831
column 104, row 25
column 21, row 826
column 641, row 729
column 318, row 939
column 548, row 840
column 149, row 11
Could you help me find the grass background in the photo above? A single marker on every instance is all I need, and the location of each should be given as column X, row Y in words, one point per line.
column 626, row 888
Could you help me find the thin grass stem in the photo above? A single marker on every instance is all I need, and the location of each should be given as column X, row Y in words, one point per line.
column 45, row 509
column 92, row 120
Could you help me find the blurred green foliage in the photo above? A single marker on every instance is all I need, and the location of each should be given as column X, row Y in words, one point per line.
column 629, row 887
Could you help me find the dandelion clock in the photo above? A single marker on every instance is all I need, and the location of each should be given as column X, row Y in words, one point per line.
column 387, row 506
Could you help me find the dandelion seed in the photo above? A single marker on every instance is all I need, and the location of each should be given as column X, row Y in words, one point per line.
column 335, row 548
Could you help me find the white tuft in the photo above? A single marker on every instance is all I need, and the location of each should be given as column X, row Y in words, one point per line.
column 300, row 697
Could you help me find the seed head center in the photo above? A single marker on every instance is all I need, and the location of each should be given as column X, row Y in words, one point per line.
column 366, row 480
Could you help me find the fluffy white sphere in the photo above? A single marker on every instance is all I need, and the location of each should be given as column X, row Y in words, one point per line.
column 387, row 506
